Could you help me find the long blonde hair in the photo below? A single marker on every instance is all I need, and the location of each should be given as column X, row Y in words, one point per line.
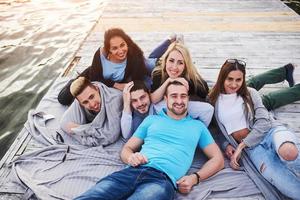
column 190, row 72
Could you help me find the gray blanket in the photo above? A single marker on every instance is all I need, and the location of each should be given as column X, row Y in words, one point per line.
column 63, row 170
column 105, row 129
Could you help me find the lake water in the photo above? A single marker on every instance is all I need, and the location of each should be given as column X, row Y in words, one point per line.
column 37, row 40
column 294, row 4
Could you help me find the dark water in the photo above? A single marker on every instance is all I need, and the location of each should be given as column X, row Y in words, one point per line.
column 293, row 4
column 37, row 40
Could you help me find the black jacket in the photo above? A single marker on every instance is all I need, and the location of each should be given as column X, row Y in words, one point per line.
column 93, row 73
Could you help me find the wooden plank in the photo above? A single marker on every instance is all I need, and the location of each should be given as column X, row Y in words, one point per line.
column 14, row 148
column 266, row 34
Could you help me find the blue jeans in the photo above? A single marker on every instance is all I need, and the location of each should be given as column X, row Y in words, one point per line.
column 284, row 175
column 133, row 184
column 156, row 54
column 160, row 49
column 150, row 62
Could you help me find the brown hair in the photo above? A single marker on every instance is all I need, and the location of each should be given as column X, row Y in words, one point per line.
column 139, row 85
column 172, row 83
column 218, row 88
column 135, row 67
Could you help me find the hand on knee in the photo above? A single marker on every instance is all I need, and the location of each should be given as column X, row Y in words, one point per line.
column 288, row 151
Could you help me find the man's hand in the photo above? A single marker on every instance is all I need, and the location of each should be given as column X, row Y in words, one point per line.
column 186, row 183
column 70, row 126
column 126, row 97
column 137, row 159
column 229, row 151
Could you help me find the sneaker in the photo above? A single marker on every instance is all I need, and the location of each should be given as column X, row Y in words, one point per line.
column 180, row 39
column 290, row 74
column 172, row 37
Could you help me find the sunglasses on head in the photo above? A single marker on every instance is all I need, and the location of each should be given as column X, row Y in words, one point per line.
column 236, row 61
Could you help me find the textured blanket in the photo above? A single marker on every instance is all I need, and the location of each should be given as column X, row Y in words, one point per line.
column 62, row 168
column 105, row 129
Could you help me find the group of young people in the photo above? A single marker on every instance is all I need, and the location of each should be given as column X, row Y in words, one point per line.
column 167, row 107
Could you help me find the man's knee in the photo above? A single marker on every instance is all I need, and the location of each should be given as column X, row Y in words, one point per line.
column 288, row 151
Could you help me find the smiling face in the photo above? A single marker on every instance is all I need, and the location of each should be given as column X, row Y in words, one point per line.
column 140, row 101
column 175, row 64
column 177, row 100
column 90, row 99
column 118, row 49
column 233, row 81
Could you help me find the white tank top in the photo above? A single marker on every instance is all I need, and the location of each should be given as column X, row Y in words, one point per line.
column 231, row 112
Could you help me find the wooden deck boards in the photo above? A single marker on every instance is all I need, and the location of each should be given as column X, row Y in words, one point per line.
column 266, row 34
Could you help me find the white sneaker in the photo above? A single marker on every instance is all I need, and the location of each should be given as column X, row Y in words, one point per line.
column 180, row 39
column 296, row 74
column 172, row 37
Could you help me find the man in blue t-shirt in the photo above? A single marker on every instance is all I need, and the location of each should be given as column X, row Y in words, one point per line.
column 159, row 154
column 137, row 106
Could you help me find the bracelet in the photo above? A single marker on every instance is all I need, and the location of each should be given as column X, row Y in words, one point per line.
column 198, row 177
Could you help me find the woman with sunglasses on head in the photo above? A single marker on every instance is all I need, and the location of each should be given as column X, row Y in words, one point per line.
column 176, row 64
column 118, row 62
column 247, row 126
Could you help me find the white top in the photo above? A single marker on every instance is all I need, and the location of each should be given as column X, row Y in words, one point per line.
column 231, row 112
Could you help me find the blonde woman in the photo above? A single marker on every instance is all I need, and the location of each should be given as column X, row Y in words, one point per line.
column 176, row 64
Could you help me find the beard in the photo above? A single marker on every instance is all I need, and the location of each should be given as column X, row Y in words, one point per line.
column 176, row 111
column 142, row 109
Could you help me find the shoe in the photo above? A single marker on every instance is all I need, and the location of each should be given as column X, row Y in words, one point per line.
column 180, row 39
column 172, row 37
column 290, row 74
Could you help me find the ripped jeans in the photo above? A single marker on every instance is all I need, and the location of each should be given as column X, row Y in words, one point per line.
column 132, row 183
column 283, row 174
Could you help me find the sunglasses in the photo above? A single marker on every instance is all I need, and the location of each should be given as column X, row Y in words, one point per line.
column 236, row 61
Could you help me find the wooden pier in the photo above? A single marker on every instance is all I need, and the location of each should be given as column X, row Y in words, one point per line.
column 266, row 34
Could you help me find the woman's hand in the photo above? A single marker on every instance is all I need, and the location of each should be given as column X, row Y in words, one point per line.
column 183, row 81
column 229, row 151
column 236, row 156
column 119, row 86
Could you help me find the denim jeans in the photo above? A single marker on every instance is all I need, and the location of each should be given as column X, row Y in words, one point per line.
column 156, row 54
column 284, row 175
column 152, row 59
column 160, row 49
column 134, row 184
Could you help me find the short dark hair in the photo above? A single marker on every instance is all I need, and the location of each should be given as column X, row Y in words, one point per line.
column 139, row 85
column 172, row 83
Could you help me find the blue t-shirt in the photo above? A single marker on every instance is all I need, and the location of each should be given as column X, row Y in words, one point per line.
column 170, row 144
column 113, row 71
column 116, row 71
